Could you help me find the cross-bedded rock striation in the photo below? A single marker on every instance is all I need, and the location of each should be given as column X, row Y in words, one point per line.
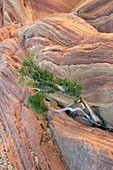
column 69, row 46
column 82, row 147
column 98, row 13
column 24, row 139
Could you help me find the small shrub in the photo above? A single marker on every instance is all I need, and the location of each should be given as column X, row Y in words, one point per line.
column 43, row 80
column 71, row 87
column 37, row 104
column 32, row 75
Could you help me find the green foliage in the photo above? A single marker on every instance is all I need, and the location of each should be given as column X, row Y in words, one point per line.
column 32, row 75
column 36, row 103
column 71, row 87
column 44, row 81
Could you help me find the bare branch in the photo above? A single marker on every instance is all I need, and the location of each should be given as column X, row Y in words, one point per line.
column 77, row 110
column 88, row 109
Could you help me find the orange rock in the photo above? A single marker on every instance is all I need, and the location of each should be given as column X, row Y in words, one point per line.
column 26, row 11
column 24, row 143
column 43, row 8
column 17, row 11
column 70, row 47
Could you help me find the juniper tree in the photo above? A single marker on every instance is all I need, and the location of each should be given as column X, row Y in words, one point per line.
column 44, row 82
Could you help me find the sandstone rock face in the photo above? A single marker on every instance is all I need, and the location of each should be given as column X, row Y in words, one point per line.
column 24, row 139
column 43, row 8
column 25, row 11
column 17, row 11
column 81, row 53
column 83, row 147
column 69, row 46
column 98, row 13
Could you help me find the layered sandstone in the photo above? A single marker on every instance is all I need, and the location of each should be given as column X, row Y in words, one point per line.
column 98, row 13
column 43, row 8
column 82, row 147
column 18, row 11
column 25, row 11
column 24, row 139
column 70, row 47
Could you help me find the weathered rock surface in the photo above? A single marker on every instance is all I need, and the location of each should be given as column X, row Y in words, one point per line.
column 70, row 47
column 98, row 13
column 82, row 147
column 22, row 11
column 18, row 11
column 46, row 7
column 24, row 139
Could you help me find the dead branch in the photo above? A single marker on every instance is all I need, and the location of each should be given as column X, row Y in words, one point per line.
column 85, row 111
